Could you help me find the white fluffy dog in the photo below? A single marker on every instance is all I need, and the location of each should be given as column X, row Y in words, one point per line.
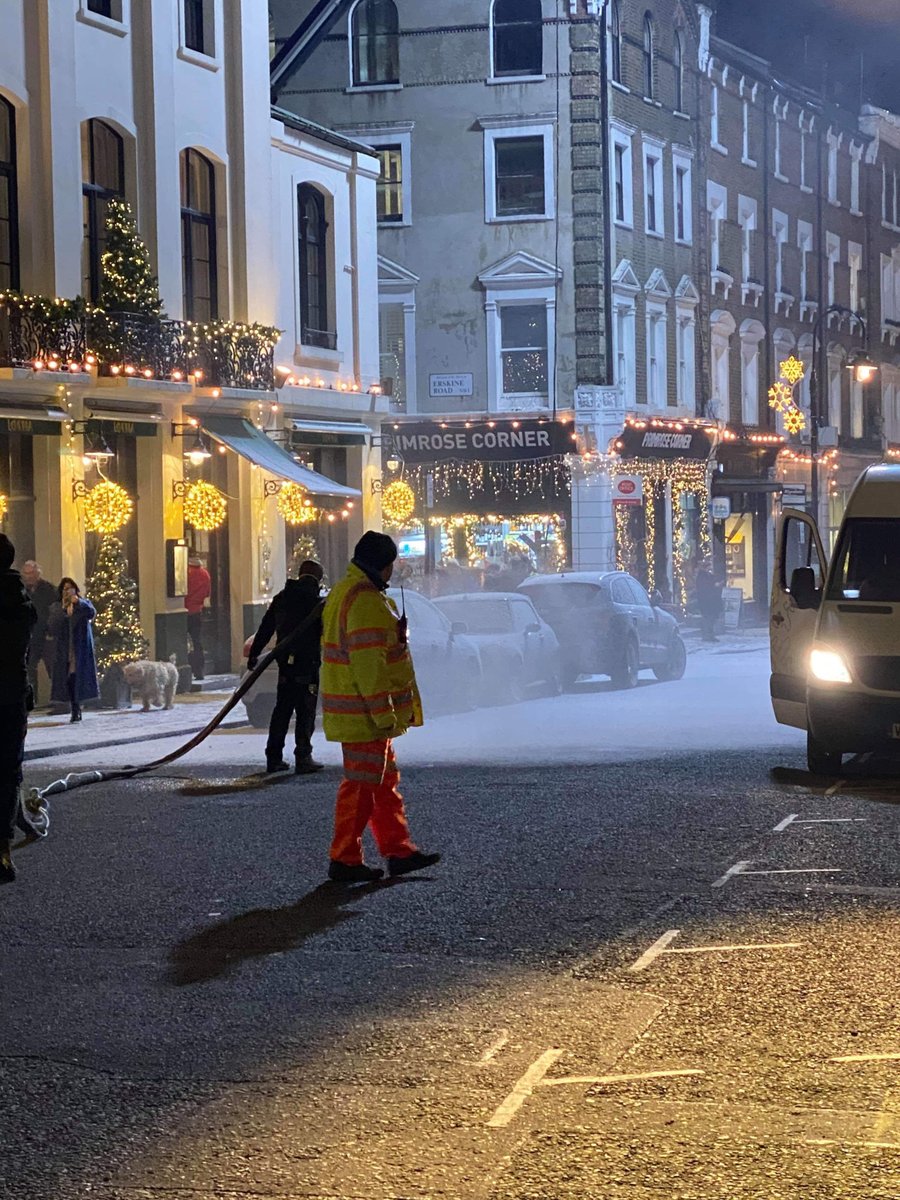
column 154, row 682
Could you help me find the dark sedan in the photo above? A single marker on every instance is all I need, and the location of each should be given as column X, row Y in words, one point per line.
column 607, row 625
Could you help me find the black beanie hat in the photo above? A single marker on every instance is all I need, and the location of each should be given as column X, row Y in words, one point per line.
column 375, row 550
column 8, row 553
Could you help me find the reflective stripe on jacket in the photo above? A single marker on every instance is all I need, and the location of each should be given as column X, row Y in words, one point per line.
column 368, row 684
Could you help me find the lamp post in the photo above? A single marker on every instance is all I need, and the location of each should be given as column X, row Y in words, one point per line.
column 863, row 368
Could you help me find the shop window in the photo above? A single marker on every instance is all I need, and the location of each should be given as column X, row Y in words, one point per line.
column 375, row 42
column 315, row 291
column 198, row 237
column 648, row 56
column 523, row 349
column 389, row 189
column 103, row 176
column 518, row 37
column 615, row 41
column 9, row 221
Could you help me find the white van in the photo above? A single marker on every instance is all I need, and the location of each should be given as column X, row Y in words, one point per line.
column 835, row 629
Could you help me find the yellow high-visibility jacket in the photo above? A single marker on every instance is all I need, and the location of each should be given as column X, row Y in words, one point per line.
column 368, row 683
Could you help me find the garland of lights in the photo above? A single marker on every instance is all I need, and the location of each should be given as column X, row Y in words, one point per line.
column 520, row 479
column 4, row 505
column 107, row 507
column 204, row 506
column 480, row 523
column 398, row 502
column 295, row 506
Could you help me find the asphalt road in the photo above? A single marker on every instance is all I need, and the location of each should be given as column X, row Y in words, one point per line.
column 632, row 979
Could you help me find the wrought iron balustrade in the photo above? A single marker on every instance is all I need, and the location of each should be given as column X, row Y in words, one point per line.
column 324, row 339
column 43, row 332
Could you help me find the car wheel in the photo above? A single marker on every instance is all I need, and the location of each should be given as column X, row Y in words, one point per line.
column 515, row 688
column 626, row 673
column 259, row 711
column 555, row 684
column 676, row 662
column 821, row 761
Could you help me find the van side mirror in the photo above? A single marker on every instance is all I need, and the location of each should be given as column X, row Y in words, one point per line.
column 803, row 588
column 458, row 627
column 534, row 627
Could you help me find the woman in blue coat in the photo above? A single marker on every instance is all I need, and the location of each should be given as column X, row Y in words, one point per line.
column 74, row 666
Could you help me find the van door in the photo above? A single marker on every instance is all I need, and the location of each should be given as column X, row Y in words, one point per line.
column 792, row 627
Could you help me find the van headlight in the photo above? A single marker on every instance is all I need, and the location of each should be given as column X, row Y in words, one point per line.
column 828, row 666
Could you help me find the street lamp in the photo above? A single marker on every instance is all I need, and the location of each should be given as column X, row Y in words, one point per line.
column 863, row 368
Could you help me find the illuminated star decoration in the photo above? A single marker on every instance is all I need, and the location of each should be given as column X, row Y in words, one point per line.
column 794, row 420
column 792, row 370
column 781, row 396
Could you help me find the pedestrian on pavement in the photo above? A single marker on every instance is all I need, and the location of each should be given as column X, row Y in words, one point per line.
column 199, row 588
column 17, row 620
column 74, row 665
column 709, row 601
column 42, row 595
column 298, row 668
column 369, row 697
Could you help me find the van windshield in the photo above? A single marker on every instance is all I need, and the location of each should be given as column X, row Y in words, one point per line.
column 867, row 561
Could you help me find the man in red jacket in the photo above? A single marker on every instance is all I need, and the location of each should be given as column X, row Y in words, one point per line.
column 199, row 588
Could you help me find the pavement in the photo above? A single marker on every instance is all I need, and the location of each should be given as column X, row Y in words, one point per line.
column 655, row 963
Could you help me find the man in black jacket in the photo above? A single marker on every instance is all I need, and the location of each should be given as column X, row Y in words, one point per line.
column 42, row 595
column 298, row 668
column 17, row 619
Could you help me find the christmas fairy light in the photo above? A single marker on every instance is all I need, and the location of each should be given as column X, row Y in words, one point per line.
column 205, row 507
column 107, row 507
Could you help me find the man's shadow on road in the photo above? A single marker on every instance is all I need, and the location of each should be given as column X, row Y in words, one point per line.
column 220, row 948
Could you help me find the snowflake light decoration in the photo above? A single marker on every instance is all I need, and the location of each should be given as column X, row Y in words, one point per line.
column 781, row 397
column 792, row 369
column 794, row 419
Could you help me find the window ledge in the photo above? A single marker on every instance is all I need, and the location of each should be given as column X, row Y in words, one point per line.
column 655, row 233
column 684, row 241
column 110, row 24
column 719, row 148
column 373, row 87
column 629, row 225
column 804, row 187
column 890, row 225
column 748, row 162
column 207, row 61
column 404, row 224
column 650, row 100
column 495, row 220
column 317, row 354
column 835, row 203
column 781, row 178
column 682, row 116
column 497, row 80
column 620, row 87
column 856, row 212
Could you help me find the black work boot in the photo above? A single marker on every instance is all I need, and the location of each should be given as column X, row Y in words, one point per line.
column 417, row 861
column 308, row 766
column 7, row 870
column 339, row 872
column 275, row 765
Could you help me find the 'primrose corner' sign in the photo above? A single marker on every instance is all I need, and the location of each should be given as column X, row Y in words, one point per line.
column 485, row 441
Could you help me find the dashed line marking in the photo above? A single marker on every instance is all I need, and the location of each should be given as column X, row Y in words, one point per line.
column 737, row 869
column 588, row 1079
column 658, row 948
column 797, row 871
column 866, row 1058
column 495, row 1047
column 832, row 821
column 782, row 825
column 523, row 1089
column 747, row 946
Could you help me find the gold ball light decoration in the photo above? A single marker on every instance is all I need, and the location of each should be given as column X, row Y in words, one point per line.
column 204, row 506
column 4, row 505
column 295, row 506
column 107, row 507
column 398, row 502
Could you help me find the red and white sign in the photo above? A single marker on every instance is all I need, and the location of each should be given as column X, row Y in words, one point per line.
column 628, row 489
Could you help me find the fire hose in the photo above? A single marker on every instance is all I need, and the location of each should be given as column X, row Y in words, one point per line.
column 36, row 802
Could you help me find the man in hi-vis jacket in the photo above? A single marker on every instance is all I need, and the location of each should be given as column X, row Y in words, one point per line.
column 369, row 697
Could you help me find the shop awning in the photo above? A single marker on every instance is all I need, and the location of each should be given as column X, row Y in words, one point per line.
column 245, row 439
column 331, row 433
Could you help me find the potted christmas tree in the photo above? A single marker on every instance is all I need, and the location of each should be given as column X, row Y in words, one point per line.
column 128, row 329
column 118, row 637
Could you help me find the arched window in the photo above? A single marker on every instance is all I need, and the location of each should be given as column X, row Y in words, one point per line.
column 615, row 41
column 518, row 37
column 314, row 291
column 648, row 56
column 9, row 217
column 374, row 35
column 103, row 175
column 198, row 237
column 678, row 56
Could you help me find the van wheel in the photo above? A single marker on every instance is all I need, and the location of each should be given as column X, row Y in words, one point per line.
column 676, row 662
column 821, row 761
column 626, row 673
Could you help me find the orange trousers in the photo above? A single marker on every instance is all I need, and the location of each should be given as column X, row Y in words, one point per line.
column 369, row 795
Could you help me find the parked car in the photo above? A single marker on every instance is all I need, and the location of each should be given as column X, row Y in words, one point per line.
column 448, row 666
column 607, row 625
column 519, row 651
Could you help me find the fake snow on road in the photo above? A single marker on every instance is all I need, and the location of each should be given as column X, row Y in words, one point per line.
column 722, row 703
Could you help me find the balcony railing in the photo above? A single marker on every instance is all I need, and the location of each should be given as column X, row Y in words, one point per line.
column 324, row 339
column 69, row 334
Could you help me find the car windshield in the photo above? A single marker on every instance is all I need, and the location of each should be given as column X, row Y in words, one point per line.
column 867, row 561
column 559, row 597
column 480, row 616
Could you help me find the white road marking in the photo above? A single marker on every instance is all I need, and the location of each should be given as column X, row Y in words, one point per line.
column 523, row 1089
column 737, row 869
column 798, row 871
column 831, row 820
column 866, row 1058
column 495, row 1047
column 655, row 950
column 835, row 1142
column 748, row 946
column 852, row 889
column 782, row 825
column 616, row 1078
